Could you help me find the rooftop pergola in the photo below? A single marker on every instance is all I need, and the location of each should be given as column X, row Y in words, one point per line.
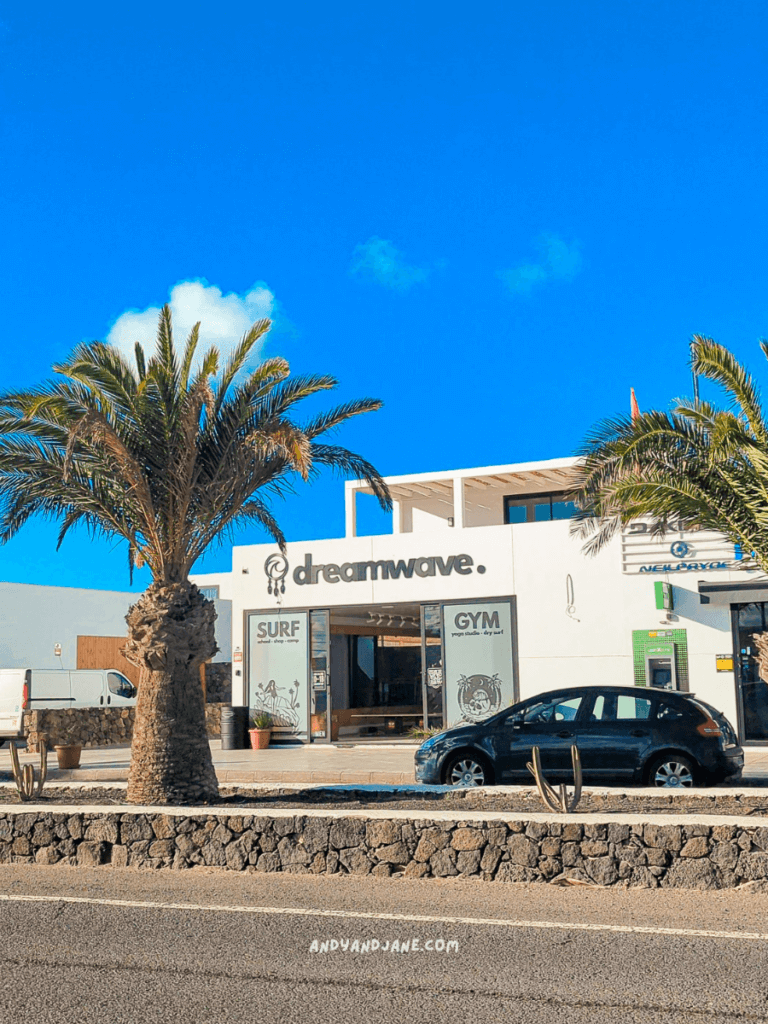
column 466, row 497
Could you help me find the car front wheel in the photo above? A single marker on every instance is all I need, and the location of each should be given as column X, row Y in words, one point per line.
column 673, row 771
column 466, row 770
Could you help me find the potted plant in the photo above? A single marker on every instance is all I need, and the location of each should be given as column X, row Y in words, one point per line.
column 260, row 730
column 68, row 752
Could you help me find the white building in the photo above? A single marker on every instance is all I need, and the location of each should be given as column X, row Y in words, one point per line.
column 68, row 628
column 479, row 597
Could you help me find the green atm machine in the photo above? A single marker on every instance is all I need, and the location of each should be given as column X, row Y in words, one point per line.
column 660, row 666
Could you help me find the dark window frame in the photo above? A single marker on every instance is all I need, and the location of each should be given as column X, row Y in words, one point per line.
column 530, row 501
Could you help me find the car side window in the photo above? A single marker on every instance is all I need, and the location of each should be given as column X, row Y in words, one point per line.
column 632, row 708
column 612, row 707
column 668, row 709
column 604, row 708
column 553, row 710
column 120, row 686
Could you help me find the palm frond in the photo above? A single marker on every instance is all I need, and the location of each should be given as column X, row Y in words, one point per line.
column 167, row 457
column 716, row 363
column 698, row 466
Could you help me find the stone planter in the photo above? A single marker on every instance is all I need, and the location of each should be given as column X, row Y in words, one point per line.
column 259, row 738
column 68, row 755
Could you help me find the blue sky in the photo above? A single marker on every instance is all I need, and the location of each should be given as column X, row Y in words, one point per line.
column 497, row 218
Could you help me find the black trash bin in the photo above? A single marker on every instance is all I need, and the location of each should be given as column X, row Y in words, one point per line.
column 234, row 728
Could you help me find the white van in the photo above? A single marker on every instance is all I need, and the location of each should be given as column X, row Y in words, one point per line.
column 27, row 689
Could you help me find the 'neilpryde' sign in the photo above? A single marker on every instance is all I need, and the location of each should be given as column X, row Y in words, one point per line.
column 276, row 569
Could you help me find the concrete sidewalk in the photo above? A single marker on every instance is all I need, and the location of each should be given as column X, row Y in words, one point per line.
column 387, row 764
column 383, row 763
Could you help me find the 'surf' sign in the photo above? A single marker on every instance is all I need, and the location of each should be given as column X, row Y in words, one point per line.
column 357, row 572
column 279, row 628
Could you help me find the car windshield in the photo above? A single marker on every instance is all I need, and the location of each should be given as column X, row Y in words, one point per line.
column 553, row 709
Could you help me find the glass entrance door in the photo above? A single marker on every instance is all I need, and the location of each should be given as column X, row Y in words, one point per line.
column 320, row 676
column 432, row 665
column 751, row 619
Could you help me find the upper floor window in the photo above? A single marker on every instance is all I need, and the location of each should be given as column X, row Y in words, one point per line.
column 212, row 593
column 538, row 508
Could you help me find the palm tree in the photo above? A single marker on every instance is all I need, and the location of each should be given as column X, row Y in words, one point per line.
column 699, row 466
column 171, row 455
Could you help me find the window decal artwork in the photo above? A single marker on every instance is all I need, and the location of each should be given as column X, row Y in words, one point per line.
column 278, row 669
column 478, row 660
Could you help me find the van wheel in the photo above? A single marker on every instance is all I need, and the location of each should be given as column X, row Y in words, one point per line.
column 672, row 771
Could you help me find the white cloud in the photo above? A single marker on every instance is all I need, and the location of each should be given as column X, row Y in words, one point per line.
column 224, row 319
column 558, row 261
column 379, row 260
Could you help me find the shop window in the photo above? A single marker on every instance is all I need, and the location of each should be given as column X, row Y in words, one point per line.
column 384, row 673
column 538, row 508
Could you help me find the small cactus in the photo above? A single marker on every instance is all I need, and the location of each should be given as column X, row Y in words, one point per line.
column 562, row 802
column 26, row 783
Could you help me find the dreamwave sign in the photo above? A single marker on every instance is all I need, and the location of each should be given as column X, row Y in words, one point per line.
column 276, row 569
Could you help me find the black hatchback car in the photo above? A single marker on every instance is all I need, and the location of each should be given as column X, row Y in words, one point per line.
column 624, row 734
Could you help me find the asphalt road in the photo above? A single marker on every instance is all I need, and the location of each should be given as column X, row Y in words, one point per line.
column 76, row 947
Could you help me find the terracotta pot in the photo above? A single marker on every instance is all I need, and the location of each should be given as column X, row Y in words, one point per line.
column 259, row 738
column 68, row 755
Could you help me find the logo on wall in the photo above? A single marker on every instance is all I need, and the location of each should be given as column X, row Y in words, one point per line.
column 479, row 696
column 680, row 549
column 276, row 569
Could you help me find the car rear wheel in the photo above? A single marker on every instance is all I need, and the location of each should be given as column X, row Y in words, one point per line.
column 467, row 770
column 673, row 771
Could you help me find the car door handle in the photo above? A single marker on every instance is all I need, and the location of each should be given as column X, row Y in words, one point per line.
column 565, row 734
column 639, row 732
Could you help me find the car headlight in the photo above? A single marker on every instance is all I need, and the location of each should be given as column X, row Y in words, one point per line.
column 428, row 744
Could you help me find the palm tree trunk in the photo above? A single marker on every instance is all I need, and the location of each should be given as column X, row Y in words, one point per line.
column 170, row 634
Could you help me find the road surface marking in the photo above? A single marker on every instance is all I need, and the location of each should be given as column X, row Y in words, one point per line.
column 497, row 922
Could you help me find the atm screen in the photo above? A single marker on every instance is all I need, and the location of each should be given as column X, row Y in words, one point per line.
column 661, row 677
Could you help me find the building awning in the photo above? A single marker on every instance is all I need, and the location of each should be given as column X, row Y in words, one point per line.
column 748, row 588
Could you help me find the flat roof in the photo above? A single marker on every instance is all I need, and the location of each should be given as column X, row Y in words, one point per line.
column 518, row 477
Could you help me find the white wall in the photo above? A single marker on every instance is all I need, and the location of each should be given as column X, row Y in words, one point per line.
column 222, row 580
column 593, row 645
column 556, row 650
column 489, row 549
column 34, row 618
